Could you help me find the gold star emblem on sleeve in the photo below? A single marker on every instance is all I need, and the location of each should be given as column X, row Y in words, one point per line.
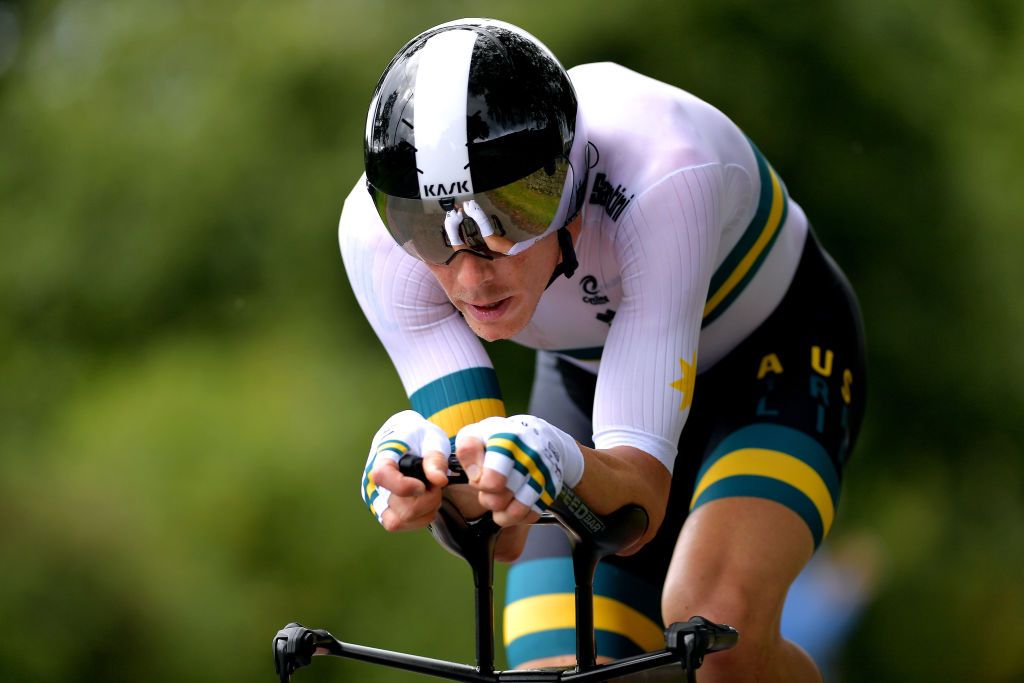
column 685, row 383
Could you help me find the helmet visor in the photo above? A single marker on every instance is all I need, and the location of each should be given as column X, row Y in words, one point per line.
column 502, row 221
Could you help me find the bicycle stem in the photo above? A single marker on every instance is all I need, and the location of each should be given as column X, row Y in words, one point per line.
column 592, row 537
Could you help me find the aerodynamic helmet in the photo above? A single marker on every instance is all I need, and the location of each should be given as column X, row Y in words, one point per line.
column 474, row 142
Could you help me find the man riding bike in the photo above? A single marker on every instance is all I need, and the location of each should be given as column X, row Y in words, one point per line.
column 698, row 353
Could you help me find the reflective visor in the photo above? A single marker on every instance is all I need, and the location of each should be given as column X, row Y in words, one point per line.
column 502, row 221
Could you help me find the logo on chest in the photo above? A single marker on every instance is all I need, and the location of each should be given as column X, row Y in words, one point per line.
column 592, row 291
column 592, row 295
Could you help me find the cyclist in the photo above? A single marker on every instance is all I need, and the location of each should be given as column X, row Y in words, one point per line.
column 698, row 353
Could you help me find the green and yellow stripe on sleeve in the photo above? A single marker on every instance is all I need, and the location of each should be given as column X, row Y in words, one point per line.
column 746, row 257
column 459, row 399
column 777, row 463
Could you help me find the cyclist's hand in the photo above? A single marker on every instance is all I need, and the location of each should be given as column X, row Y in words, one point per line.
column 401, row 502
column 518, row 465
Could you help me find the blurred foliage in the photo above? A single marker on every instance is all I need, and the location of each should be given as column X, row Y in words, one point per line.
column 188, row 386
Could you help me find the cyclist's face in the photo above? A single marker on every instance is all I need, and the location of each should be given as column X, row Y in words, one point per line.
column 498, row 297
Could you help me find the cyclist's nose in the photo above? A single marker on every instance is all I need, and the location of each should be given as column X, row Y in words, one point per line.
column 471, row 269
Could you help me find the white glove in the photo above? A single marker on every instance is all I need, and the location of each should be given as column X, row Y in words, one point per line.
column 404, row 432
column 479, row 216
column 452, row 221
column 534, row 456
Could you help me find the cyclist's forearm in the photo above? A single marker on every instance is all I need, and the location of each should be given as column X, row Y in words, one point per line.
column 618, row 476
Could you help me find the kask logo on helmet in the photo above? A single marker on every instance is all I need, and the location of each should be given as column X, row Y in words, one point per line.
column 446, row 189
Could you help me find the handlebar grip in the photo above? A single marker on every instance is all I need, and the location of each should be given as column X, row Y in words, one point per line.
column 698, row 636
column 721, row 637
column 412, row 466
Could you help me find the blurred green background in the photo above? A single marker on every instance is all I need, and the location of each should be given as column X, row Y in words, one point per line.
column 188, row 388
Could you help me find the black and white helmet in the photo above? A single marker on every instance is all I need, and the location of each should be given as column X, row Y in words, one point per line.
column 474, row 142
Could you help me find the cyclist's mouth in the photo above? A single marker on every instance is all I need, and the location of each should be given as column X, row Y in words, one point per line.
column 489, row 312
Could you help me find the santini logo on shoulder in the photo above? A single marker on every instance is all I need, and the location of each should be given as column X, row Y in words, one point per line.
column 613, row 199
column 446, row 190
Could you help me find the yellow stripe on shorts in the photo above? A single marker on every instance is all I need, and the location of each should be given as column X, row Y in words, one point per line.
column 558, row 610
column 775, row 465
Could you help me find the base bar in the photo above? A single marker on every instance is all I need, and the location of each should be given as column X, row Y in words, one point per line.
column 441, row 668
column 624, row 667
column 454, row 671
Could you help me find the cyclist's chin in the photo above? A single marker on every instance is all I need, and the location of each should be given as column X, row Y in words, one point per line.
column 493, row 333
